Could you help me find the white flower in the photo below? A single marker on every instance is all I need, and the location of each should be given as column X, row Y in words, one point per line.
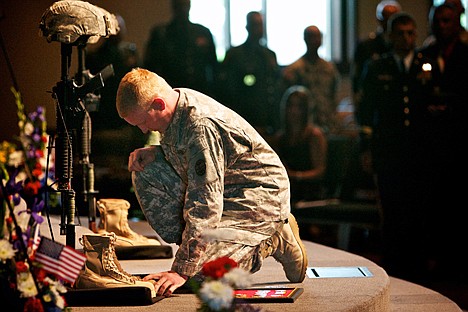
column 16, row 158
column 56, row 285
column 26, row 284
column 23, row 218
column 28, row 128
column 217, row 295
column 6, row 250
column 56, row 288
column 21, row 176
column 59, row 301
column 238, row 278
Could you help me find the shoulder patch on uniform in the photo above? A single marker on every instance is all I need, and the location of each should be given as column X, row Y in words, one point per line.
column 200, row 167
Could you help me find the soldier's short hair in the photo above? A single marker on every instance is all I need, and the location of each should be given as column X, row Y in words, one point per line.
column 401, row 18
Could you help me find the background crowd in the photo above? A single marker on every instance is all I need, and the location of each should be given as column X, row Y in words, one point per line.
column 407, row 123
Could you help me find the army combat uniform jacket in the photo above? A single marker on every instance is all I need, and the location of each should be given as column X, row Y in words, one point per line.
column 233, row 180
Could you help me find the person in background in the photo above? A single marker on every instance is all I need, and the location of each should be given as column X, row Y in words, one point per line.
column 301, row 145
column 397, row 120
column 211, row 174
column 321, row 77
column 460, row 9
column 448, row 157
column 182, row 51
column 249, row 79
column 112, row 180
column 123, row 55
column 372, row 47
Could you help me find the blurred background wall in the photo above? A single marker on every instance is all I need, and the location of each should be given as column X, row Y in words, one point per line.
column 36, row 64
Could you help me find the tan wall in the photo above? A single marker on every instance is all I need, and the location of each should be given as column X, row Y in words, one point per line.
column 36, row 63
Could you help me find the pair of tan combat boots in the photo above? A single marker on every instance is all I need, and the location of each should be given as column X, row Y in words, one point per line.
column 102, row 268
column 114, row 219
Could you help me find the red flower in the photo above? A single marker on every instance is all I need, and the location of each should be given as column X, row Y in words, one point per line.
column 32, row 188
column 39, row 153
column 41, row 274
column 21, row 267
column 217, row 268
column 33, row 305
column 37, row 172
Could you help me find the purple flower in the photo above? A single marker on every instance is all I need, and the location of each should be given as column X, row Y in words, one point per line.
column 36, row 137
column 32, row 116
column 14, row 188
column 40, row 110
column 31, row 152
column 35, row 210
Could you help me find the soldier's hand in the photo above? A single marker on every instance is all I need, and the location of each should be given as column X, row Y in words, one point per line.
column 166, row 282
column 139, row 158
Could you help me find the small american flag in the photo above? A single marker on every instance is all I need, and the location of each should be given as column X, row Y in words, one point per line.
column 63, row 261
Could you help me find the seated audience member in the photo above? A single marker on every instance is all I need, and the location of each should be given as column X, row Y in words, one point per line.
column 301, row 145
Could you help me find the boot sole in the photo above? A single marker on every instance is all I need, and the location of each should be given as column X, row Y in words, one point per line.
column 295, row 230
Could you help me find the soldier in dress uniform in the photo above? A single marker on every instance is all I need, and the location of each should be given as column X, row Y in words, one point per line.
column 400, row 92
column 372, row 47
column 449, row 165
column 212, row 173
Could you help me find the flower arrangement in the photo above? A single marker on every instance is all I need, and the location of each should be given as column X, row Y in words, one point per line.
column 216, row 292
column 24, row 284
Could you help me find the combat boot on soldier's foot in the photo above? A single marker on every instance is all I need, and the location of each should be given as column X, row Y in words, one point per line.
column 114, row 218
column 287, row 248
column 102, row 268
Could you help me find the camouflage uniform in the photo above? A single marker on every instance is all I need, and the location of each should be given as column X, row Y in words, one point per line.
column 213, row 171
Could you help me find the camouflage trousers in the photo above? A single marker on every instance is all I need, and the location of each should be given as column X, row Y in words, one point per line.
column 161, row 193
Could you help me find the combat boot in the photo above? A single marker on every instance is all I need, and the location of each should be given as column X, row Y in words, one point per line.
column 102, row 268
column 287, row 248
column 114, row 218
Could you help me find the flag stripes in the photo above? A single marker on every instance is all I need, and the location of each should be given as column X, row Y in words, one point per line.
column 63, row 261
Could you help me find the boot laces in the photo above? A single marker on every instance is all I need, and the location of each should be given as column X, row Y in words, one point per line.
column 267, row 248
column 110, row 263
